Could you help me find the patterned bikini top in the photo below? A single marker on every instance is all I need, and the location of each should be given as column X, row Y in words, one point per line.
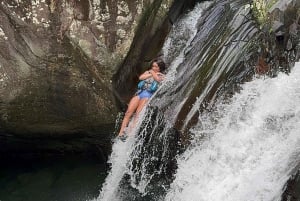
column 148, row 84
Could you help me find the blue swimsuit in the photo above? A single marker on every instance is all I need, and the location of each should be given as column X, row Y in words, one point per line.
column 144, row 94
column 146, row 90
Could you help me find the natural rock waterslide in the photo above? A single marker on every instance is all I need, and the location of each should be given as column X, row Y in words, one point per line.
column 212, row 52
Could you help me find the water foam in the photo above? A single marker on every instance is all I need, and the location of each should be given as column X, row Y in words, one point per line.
column 248, row 150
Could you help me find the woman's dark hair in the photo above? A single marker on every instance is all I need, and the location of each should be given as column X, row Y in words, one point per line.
column 161, row 64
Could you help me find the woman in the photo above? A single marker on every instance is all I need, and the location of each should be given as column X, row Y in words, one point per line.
column 148, row 80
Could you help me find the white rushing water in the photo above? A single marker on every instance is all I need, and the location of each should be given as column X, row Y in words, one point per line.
column 180, row 38
column 121, row 151
column 118, row 160
column 247, row 149
column 183, row 32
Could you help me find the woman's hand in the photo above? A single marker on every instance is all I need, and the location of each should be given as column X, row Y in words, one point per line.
column 161, row 76
column 157, row 76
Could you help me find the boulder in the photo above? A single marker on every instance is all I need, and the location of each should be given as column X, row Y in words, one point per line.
column 59, row 62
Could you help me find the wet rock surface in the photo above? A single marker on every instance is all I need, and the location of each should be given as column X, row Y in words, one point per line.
column 57, row 61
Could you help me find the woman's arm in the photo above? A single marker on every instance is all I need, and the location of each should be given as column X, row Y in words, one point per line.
column 157, row 76
column 150, row 73
column 161, row 76
column 145, row 75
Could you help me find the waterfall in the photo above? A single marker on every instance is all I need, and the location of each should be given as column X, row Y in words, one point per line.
column 248, row 149
column 124, row 153
column 118, row 161
column 242, row 148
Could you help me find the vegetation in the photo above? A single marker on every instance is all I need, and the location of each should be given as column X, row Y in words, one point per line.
column 260, row 10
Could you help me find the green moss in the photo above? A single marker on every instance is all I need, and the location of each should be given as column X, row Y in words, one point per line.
column 260, row 10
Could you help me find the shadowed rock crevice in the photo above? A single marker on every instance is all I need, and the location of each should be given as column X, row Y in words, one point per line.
column 153, row 28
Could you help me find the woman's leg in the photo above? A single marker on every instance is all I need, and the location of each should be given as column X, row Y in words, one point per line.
column 132, row 106
column 140, row 106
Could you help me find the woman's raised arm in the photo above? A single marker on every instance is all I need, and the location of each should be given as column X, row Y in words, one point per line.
column 157, row 76
column 145, row 75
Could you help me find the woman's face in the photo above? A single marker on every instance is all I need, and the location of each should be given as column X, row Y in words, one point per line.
column 155, row 67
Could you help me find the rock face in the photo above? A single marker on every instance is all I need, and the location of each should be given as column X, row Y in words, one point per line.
column 57, row 59
column 284, row 18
